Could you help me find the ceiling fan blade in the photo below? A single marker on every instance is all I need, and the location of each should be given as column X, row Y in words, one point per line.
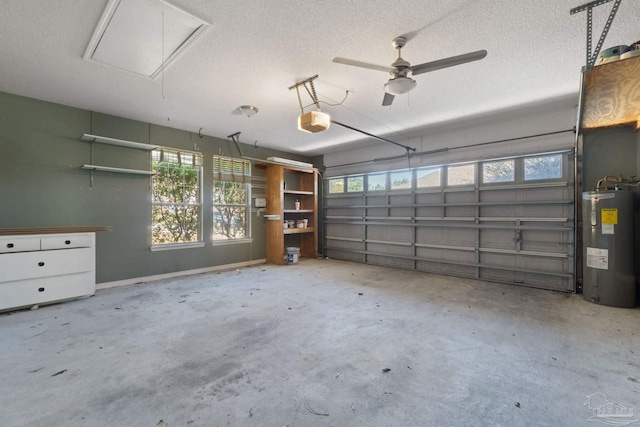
column 387, row 100
column 361, row 64
column 448, row 62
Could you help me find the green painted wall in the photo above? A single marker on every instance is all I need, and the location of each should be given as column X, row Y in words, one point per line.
column 42, row 184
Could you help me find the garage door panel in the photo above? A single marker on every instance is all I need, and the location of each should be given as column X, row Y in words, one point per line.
column 428, row 198
column 377, row 248
column 345, row 231
column 518, row 232
column 447, row 269
column 498, row 260
column 458, row 211
column 344, row 255
column 431, row 235
column 390, row 233
column 378, row 212
column 401, row 212
column 496, row 275
column 433, row 211
column 401, row 199
column 390, row 261
column 461, row 237
column 499, row 211
column 345, row 244
column 503, row 195
column 460, row 196
column 543, row 211
column 545, row 281
column 377, row 199
column 540, row 238
column 544, row 264
column 497, row 239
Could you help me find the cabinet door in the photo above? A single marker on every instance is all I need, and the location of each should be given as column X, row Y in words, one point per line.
column 26, row 265
column 24, row 293
column 66, row 241
column 19, row 244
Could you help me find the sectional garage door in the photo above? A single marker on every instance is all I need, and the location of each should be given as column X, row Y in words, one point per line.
column 507, row 220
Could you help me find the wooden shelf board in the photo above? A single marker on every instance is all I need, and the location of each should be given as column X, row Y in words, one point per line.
column 298, row 230
column 52, row 230
column 298, row 211
column 309, row 193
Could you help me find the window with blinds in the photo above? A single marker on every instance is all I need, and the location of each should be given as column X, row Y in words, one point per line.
column 231, row 198
column 176, row 196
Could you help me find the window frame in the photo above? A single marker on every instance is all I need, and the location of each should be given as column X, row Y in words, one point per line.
column 429, row 168
column 474, row 177
column 243, row 178
column 514, row 171
column 199, row 208
column 541, row 155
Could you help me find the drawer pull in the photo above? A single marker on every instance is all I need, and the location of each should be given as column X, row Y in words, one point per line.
column 67, row 242
column 9, row 245
column 40, row 289
column 40, row 264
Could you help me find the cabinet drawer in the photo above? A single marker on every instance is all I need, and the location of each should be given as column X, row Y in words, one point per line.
column 19, row 244
column 25, row 293
column 64, row 241
column 26, row 265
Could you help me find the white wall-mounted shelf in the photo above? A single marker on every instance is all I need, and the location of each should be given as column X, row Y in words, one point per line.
column 119, row 142
column 117, row 170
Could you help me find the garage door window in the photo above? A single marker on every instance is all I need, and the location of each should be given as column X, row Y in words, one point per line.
column 429, row 177
column 543, row 167
column 355, row 184
column 400, row 180
column 461, row 175
column 498, row 171
column 377, row 182
column 336, row 185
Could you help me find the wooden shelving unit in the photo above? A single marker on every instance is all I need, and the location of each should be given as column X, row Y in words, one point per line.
column 285, row 185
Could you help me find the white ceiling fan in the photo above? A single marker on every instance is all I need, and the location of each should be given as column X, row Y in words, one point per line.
column 400, row 82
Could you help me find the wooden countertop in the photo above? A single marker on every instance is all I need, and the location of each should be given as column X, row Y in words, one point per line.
column 52, row 230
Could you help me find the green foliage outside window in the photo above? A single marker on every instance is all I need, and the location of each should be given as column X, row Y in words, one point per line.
column 355, row 184
column 176, row 202
column 229, row 210
column 336, row 185
column 231, row 198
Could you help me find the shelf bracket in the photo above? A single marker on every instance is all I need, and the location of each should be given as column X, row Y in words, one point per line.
column 236, row 139
column 591, row 57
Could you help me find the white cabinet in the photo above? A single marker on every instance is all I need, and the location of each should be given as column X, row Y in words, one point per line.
column 46, row 268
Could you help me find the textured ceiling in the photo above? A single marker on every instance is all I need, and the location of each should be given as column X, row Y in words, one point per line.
column 255, row 50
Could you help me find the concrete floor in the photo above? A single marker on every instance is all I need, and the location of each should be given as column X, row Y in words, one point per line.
column 308, row 345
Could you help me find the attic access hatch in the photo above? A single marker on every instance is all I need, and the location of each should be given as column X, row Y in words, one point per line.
column 143, row 36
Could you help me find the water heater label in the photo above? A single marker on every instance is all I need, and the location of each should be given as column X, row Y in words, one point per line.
column 598, row 258
column 608, row 229
column 609, row 216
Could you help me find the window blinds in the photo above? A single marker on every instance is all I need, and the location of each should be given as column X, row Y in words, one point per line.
column 231, row 170
column 179, row 157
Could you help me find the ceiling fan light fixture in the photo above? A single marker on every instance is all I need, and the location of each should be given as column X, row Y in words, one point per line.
column 399, row 85
column 248, row 110
column 314, row 121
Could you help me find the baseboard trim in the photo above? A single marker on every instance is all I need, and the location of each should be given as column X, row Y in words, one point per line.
column 136, row 280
